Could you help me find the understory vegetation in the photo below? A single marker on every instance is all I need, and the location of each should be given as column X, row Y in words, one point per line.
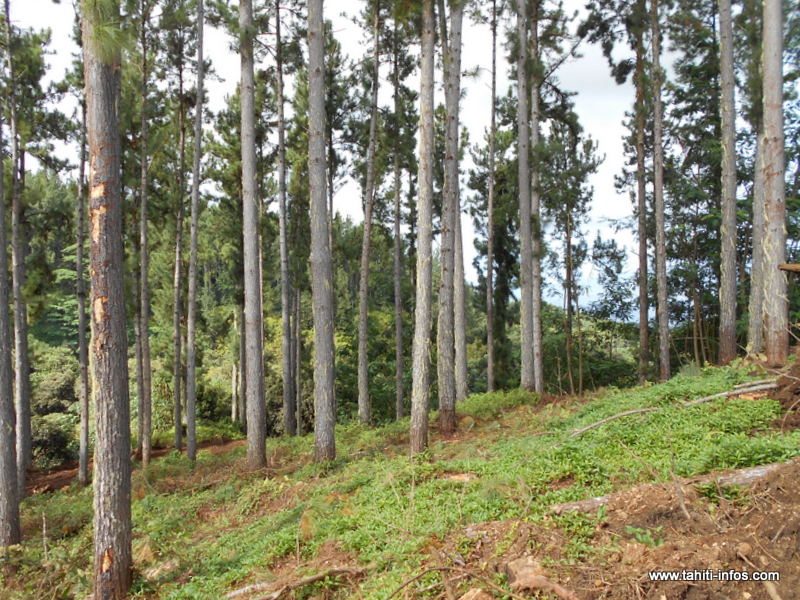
column 205, row 530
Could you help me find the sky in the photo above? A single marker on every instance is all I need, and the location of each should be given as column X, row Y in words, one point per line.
column 599, row 102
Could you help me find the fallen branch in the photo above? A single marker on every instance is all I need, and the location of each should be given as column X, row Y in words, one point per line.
column 465, row 572
column 736, row 392
column 752, row 383
column 578, row 432
column 293, row 585
column 740, row 478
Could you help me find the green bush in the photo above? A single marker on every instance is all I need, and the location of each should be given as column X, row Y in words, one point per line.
column 53, row 439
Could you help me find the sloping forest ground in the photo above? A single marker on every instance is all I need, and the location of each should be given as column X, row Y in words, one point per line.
column 376, row 524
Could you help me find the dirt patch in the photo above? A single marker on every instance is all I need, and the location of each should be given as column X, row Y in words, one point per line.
column 727, row 530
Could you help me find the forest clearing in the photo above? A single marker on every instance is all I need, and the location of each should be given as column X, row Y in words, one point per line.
column 382, row 299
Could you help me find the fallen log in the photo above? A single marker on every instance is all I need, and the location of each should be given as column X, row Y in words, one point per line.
column 737, row 392
column 293, row 585
column 739, row 477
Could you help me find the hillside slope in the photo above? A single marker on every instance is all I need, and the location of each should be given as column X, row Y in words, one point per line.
column 453, row 519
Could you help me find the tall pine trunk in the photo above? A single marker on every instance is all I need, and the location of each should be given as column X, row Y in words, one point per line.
column 112, row 480
column 364, row 405
column 536, row 230
column 289, row 408
column 490, row 381
column 727, row 284
column 253, row 328
column 422, row 313
column 10, row 532
column 321, row 266
column 451, row 50
column 191, row 308
column 22, row 385
column 658, row 170
column 755, row 328
column 460, row 317
column 80, row 293
column 527, row 378
column 144, row 257
column 776, row 305
column 177, row 281
column 641, row 195
column 398, row 245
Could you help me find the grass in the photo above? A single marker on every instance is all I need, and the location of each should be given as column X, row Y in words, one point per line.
column 227, row 527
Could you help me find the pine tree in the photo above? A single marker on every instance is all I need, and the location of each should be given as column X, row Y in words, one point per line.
column 422, row 314
column 112, row 482
column 321, row 268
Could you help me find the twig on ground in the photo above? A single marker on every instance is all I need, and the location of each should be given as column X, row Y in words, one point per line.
column 772, row 590
column 757, row 381
column 293, row 585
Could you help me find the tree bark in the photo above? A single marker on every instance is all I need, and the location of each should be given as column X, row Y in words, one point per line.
column 641, row 197
column 289, row 408
column 490, row 214
column 658, row 169
column 242, row 367
column 451, row 50
column 253, row 327
column 80, row 292
column 297, row 356
column 536, row 229
column 527, row 379
column 10, row 532
column 422, row 312
column 727, row 285
column 177, row 311
column 459, row 299
column 112, row 481
column 191, row 309
column 22, row 385
column 776, row 304
column 755, row 328
column 144, row 256
column 364, row 405
column 398, row 247
column 321, row 268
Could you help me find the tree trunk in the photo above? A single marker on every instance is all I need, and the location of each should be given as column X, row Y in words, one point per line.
column 112, row 481
column 364, row 405
column 289, row 408
column 536, row 229
column 776, row 305
column 177, row 314
column 321, row 268
column 641, row 198
column 191, row 309
column 144, row 279
column 22, row 385
column 253, row 328
column 755, row 329
column 398, row 247
column 527, row 378
column 10, row 532
column 242, row 367
column 451, row 50
column 297, row 349
column 727, row 284
column 422, row 312
column 80, row 292
column 569, row 302
column 460, row 320
column 490, row 214
column 658, row 169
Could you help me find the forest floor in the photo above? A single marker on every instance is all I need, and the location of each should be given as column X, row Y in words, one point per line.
column 478, row 511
